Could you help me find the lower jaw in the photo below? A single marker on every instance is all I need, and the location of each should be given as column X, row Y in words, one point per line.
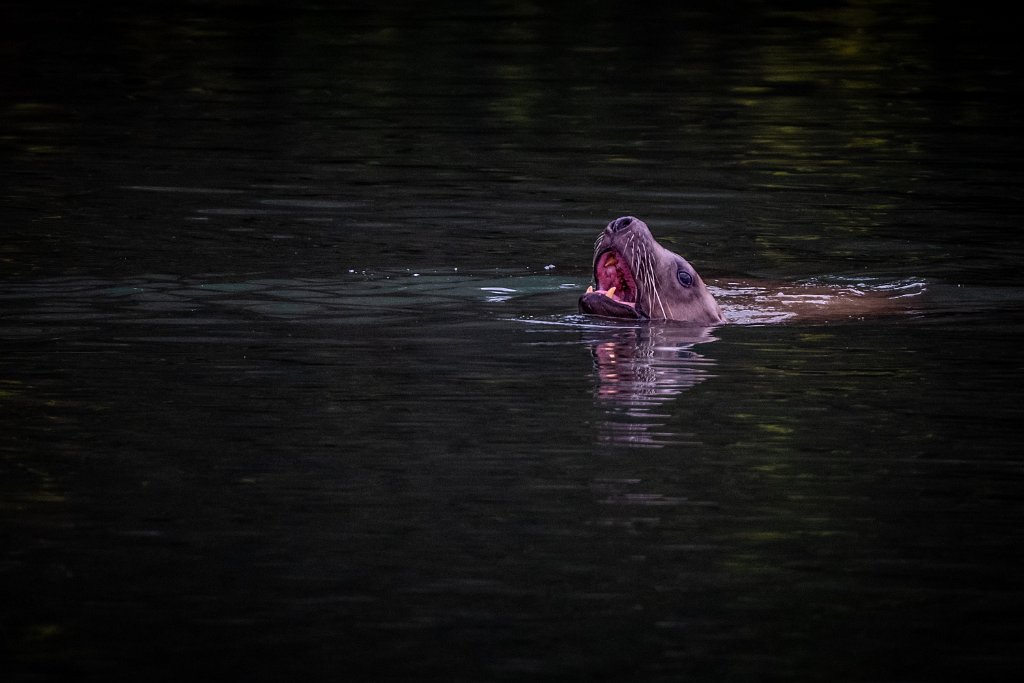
column 599, row 303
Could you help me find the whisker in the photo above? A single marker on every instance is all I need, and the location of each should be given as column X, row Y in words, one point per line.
column 651, row 284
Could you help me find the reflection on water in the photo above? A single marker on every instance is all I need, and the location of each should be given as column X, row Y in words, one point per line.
column 638, row 369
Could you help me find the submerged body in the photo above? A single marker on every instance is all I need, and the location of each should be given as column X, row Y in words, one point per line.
column 637, row 278
column 757, row 302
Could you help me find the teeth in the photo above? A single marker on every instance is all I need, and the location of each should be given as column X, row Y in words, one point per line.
column 590, row 290
column 610, row 292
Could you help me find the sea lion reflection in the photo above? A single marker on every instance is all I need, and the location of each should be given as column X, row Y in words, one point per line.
column 638, row 370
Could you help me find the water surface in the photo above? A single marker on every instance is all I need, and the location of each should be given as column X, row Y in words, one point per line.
column 292, row 382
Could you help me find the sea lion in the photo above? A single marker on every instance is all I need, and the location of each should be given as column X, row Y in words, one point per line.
column 635, row 277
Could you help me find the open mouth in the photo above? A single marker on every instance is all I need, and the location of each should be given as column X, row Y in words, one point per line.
column 614, row 279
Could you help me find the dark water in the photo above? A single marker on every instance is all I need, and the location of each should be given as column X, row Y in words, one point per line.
column 292, row 384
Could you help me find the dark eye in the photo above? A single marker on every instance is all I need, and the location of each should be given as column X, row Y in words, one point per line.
column 685, row 279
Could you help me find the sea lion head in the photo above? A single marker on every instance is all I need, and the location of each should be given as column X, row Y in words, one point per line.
column 635, row 277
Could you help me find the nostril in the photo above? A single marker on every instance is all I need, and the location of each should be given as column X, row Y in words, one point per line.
column 620, row 223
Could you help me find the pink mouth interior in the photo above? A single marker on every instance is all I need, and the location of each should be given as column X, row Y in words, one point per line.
column 611, row 271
